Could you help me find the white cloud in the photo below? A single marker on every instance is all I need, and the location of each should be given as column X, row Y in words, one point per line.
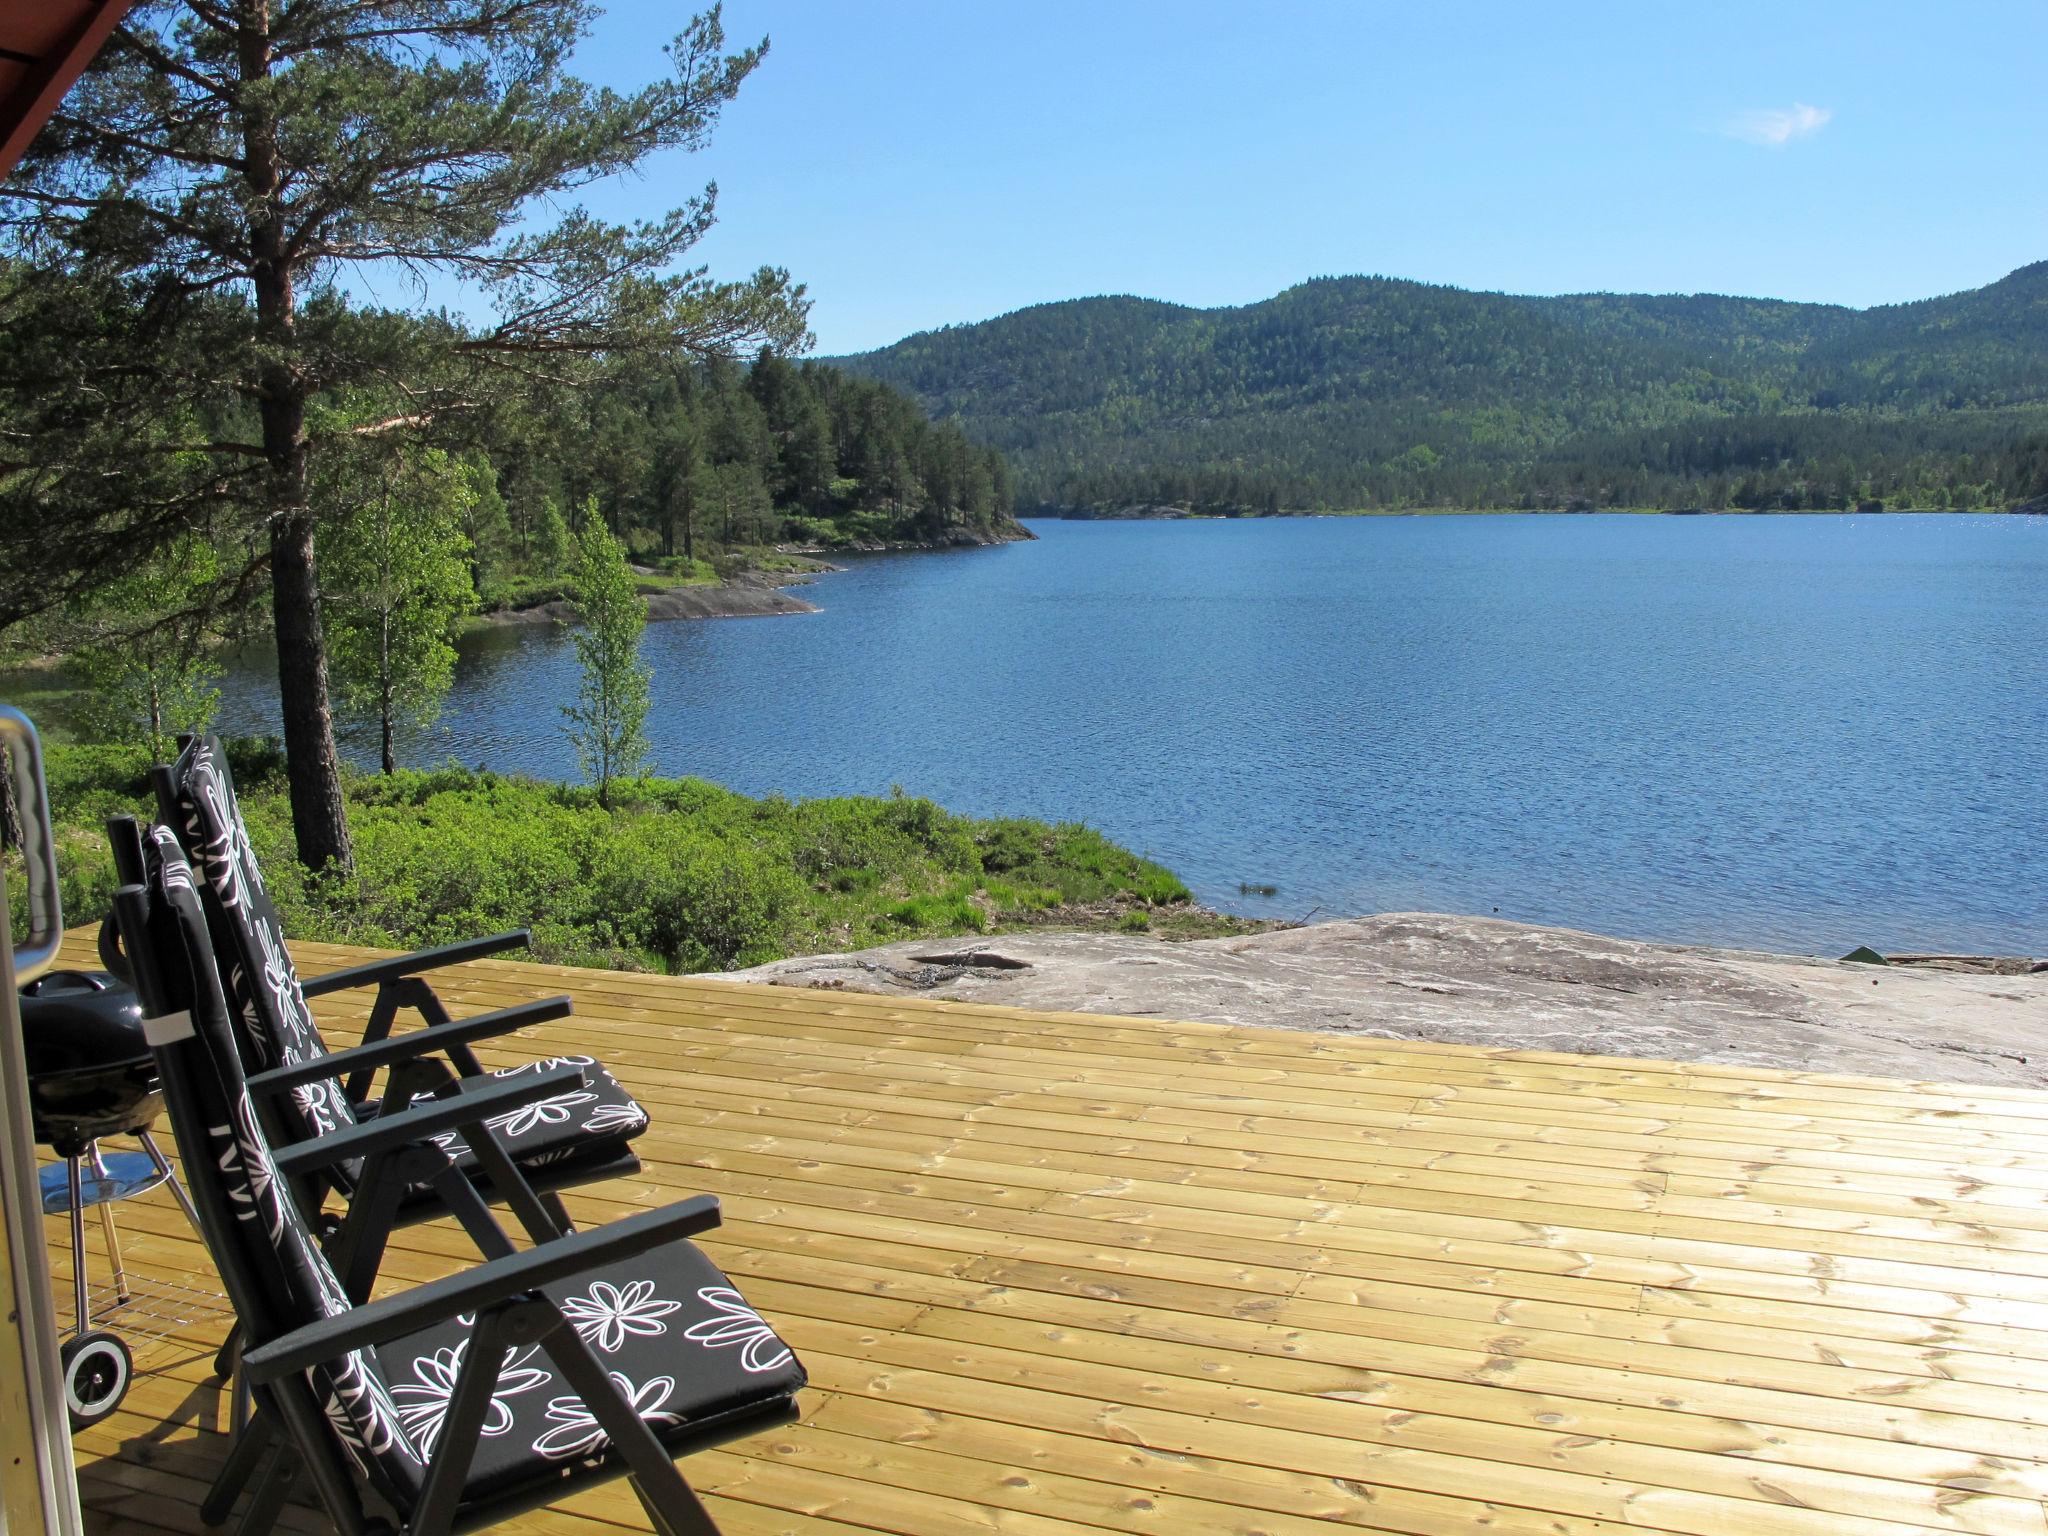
column 1775, row 127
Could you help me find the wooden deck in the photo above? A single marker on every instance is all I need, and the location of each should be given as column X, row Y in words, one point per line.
column 1059, row 1273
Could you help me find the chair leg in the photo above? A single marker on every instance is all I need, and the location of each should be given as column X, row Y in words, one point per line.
column 229, row 1352
column 687, row 1515
column 552, row 1202
column 243, row 1456
column 271, row 1492
column 238, row 1397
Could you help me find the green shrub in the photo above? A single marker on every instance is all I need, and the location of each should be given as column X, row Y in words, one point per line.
column 680, row 875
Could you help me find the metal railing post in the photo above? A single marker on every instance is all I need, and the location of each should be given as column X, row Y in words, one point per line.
column 39, row 1488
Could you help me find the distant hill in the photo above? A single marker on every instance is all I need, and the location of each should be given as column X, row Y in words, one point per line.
column 1352, row 392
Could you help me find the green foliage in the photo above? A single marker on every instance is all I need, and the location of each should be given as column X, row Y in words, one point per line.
column 396, row 553
column 676, row 875
column 612, row 701
column 553, row 544
column 1076, row 862
column 694, row 460
column 1349, row 393
column 148, row 673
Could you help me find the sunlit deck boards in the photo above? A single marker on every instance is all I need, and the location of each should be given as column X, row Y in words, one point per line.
column 1058, row 1273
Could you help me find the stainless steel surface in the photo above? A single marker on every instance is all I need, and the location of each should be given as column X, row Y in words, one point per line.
column 39, row 1492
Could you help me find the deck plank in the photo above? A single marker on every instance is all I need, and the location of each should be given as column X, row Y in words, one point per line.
column 1060, row 1273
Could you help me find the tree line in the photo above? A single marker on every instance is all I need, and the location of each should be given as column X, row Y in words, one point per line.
column 1349, row 393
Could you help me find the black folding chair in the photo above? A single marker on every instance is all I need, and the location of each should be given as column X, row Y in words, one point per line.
column 469, row 1399
column 581, row 1134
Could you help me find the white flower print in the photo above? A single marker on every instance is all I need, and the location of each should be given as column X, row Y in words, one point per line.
column 177, row 873
column 333, row 1299
column 297, row 1039
column 608, row 1316
column 344, row 1430
column 555, row 1111
column 545, row 1063
column 616, row 1117
column 576, row 1431
column 248, row 1174
column 424, row 1406
column 245, row 849
column 364, row 1416
column 218, row 855
column 321, row 1106
column 737, row 1323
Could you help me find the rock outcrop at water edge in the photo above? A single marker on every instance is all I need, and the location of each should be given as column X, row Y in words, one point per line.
column 1482, row 981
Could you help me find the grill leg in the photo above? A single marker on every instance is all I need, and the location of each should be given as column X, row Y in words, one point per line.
column 156, row 1155
column 78, row 1287
column 99, row 1169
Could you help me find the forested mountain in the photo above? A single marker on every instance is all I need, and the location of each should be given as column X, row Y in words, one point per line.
column 1358, row 392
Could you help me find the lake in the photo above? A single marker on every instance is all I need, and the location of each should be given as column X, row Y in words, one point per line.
column 1798, row 733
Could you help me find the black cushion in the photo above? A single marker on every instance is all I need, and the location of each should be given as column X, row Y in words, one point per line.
column 678, row 1339
column 587, row 1126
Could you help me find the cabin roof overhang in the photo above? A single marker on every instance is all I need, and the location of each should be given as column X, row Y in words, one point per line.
column 44, row 47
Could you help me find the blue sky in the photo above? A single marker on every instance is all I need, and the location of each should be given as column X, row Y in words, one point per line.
column 920, row 162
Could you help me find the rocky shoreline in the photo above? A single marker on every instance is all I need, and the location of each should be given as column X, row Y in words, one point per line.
column 742, row 598
column 754, row 594
column 1482, row 981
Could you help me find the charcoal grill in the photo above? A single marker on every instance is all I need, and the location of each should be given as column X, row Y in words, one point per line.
column 91, row 1075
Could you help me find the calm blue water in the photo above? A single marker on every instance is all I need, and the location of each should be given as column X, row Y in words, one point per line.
column 1791, row 732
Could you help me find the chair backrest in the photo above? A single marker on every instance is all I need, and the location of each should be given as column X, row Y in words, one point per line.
column 274, row 1270
column 197, row 798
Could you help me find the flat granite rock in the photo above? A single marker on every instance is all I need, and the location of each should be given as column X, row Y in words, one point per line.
column 1481, row 981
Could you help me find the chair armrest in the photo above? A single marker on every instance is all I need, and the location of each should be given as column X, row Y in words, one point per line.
column 565, row 1258
column 424, row 1119
column 375, row 973
column 420, row 1042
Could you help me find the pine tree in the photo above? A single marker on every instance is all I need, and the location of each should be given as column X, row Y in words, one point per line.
column 229, row 158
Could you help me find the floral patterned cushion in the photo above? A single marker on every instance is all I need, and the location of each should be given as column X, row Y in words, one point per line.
column 282, row 1275
column 591, row 1126
column 263, row 988
column 681, row 1344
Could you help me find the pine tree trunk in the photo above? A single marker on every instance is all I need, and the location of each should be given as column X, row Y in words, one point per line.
column 312, row 767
